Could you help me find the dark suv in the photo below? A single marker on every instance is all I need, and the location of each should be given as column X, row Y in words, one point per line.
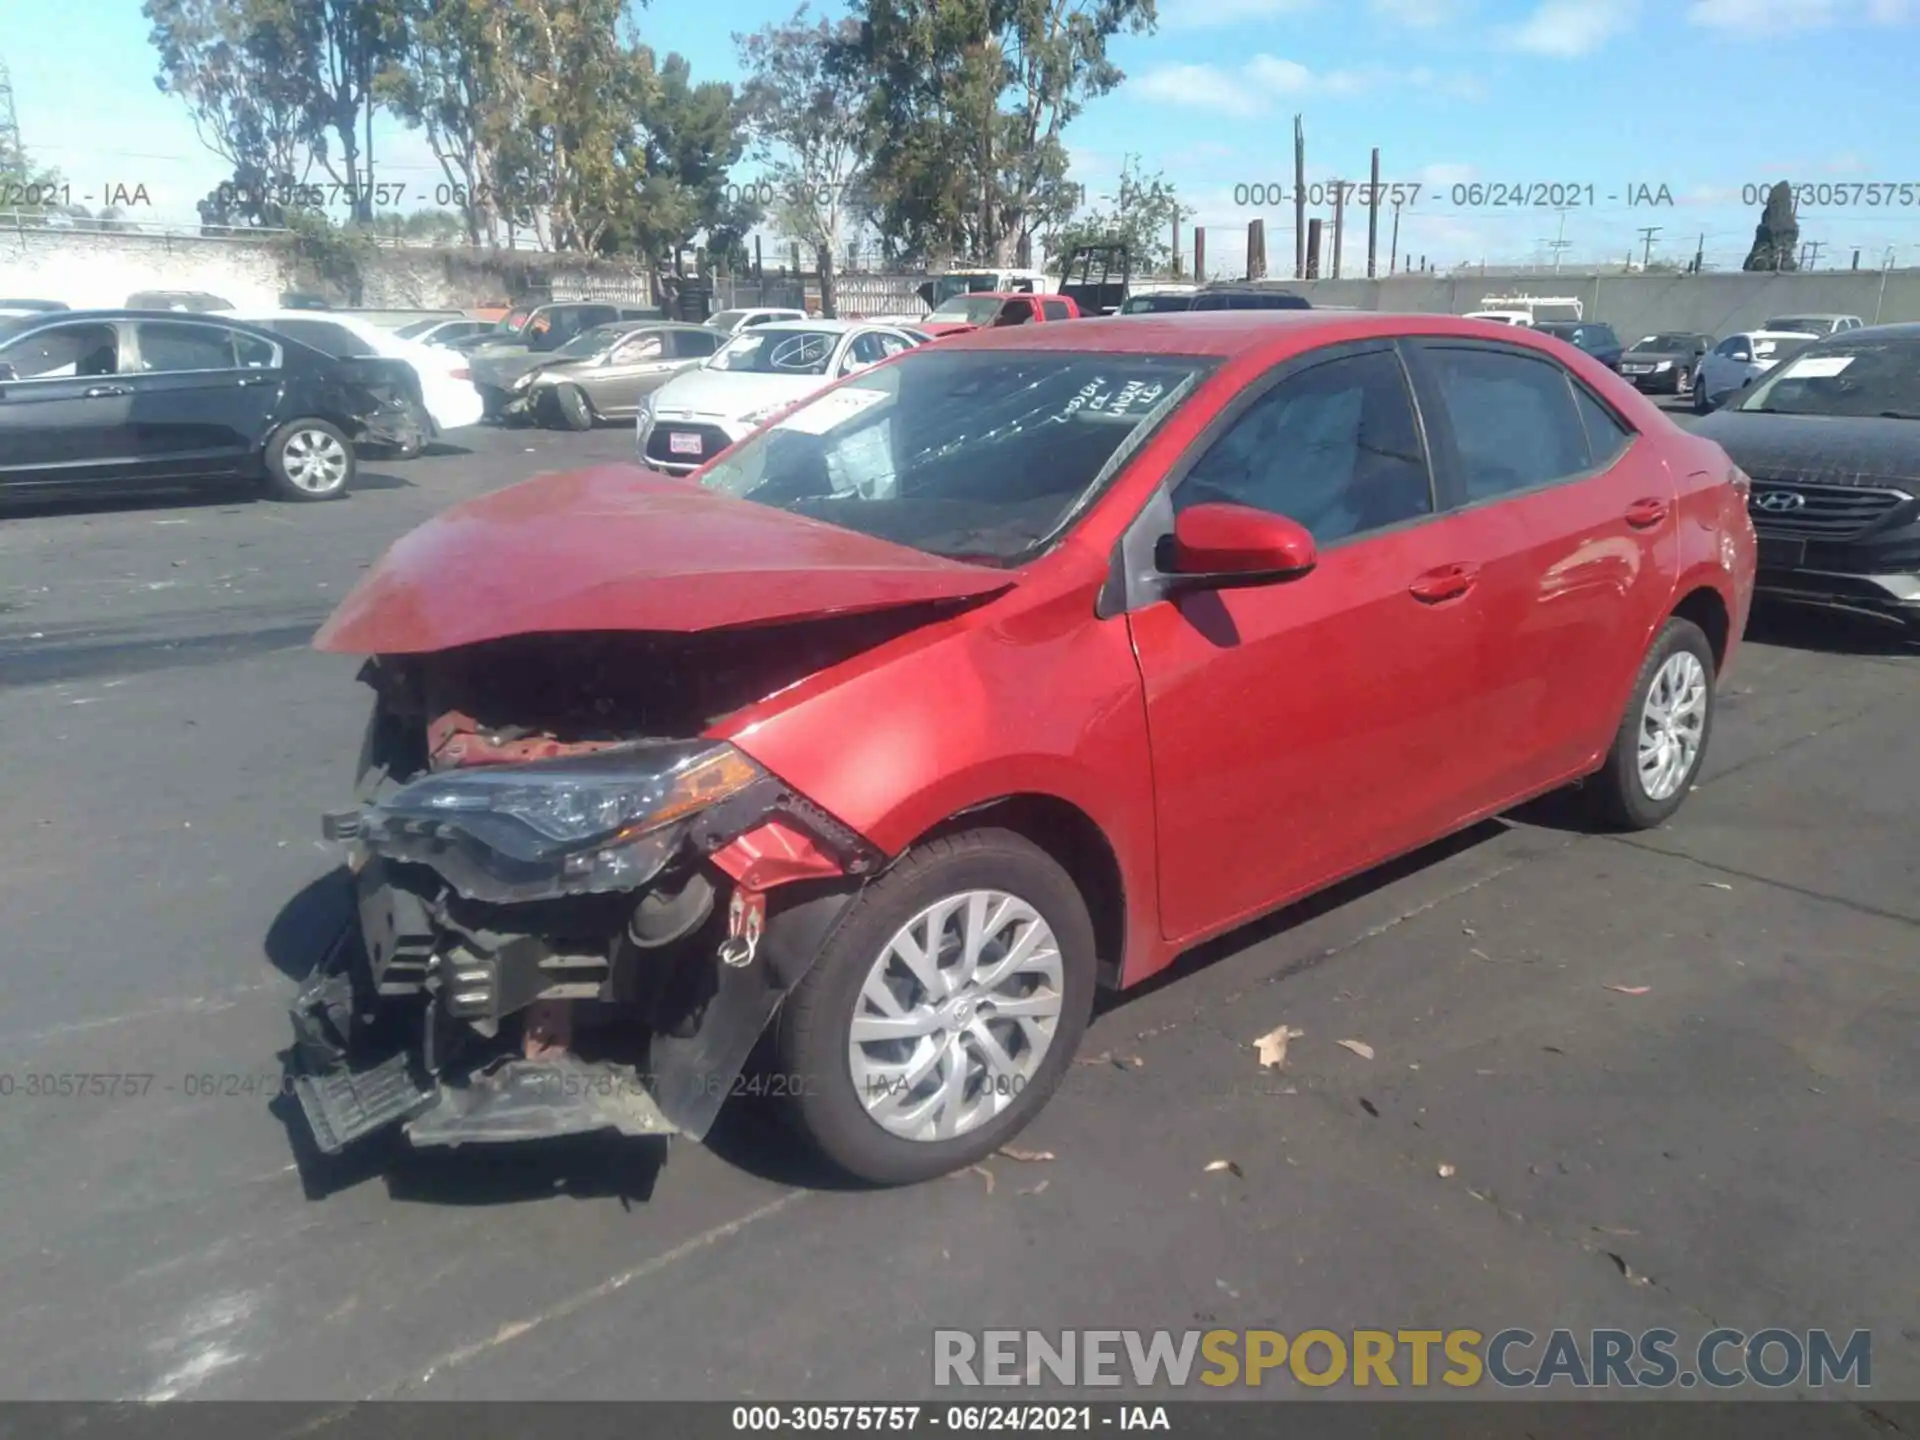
column 1596, row 339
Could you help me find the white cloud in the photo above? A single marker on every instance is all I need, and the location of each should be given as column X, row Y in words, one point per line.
column 1217, row 14
column 1198, row 87
column 1566, row 29
column 1783, row 17
column 1253, row 87
column 1438, row 177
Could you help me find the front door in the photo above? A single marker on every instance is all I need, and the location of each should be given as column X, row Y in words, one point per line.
column 64, row 407
column 204, row 395
column 1570, row 519
column 638, row 364
column 1304, row 730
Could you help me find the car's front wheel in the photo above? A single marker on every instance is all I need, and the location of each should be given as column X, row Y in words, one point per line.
column 309, row 460
column 943, row 1011
column 1662, row 739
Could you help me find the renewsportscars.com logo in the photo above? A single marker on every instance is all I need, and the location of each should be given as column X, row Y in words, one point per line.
column 1720, row 1359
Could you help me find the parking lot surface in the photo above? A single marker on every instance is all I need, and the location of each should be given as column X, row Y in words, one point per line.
column 1671, row 1078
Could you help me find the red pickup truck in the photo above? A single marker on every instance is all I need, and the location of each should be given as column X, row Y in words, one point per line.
column 993, row 307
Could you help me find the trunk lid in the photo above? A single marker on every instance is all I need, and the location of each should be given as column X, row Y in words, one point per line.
column 617, row 548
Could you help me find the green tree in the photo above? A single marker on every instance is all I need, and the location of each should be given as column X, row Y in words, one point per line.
column 968, row 102
column 1140, row 214
column 688, row 138
column 809, row 131
column 1776, row 239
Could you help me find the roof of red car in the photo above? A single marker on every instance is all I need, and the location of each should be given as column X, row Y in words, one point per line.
column 1225, row 332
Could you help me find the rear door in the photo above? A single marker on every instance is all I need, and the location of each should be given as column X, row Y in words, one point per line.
column 1569, row 517
column 65, row 408
column 205, row 395
column 1305, row 730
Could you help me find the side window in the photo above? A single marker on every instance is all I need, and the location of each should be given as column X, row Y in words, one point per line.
column 1335, row 447
column 1515, row 424
column 637, row 350
column 1735, row 347
column 1055, row 310
column 177, row 348
column 1015, row 312
column 1606, row 436
column 592, row 315
column 696, row 343
column 64, row 351
column 865, row 350
column 894, row 344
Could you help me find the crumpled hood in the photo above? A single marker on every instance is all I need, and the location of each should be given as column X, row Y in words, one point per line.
column 1817, row 449
column 619, row 548
column 501, row 365
column 732, row 393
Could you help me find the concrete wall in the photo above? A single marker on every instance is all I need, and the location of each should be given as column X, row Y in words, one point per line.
column 93, row 269
column 1637, row 305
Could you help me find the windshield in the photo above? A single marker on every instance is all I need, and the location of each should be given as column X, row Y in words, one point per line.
column 947, row 286
column 420, row 327
column 1155, row 304
column 778, row 352
column 1664, row 344
column 1805, row 324
column 727, row 319
column 1851, row 378
column 1558, row 331
column 976, row 455
column 589, row 343
column 974, row 311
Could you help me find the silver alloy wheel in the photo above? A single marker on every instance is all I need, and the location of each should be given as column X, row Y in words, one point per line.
column 314, row 461
column 1672, row 724
column 956, row 1015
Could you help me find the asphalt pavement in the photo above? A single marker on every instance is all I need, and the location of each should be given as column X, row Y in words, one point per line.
column 1670, row 1079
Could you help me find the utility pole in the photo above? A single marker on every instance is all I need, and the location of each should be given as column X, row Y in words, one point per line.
column 1700, row 255
column 1393, row 251
column 1814, row 247
column 1299, row 200
column 1339, row 222
column 1647, row 235
column 1559, row 241
column 1373, row 218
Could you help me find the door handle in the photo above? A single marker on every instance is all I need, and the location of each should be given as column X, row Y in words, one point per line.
column 1647, row 513
column 95, row 392
column 1444, row 582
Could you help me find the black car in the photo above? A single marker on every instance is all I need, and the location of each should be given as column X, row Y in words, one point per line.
column 30, row 307
column 1596, row 339
column 1663, row 364
column 197, row 302
column 115, row 399
column 1219, row 296
column 1831, row 438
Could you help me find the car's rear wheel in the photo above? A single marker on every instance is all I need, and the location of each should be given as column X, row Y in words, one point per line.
column 310, row 460
column 1663, row 737
column 570, row 408
column 1701, row 401
column 943, row 1011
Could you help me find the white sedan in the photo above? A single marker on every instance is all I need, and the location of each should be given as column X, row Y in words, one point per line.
column 761, row 371
column 446, row 384
column 1738, row 360
column 732, row 322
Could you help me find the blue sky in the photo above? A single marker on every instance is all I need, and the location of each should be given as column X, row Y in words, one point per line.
column 1704, row 97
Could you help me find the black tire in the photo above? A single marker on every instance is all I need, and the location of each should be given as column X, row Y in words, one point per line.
column 812, row 1033
column 284, row 470
column 1619, row 794
column 1701, row 403
column 567, row 406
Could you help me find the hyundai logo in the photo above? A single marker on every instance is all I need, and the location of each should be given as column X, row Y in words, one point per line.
column 1779, row 502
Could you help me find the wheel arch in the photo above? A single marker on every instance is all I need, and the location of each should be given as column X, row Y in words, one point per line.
column 1075, row 840
column 1706, row 607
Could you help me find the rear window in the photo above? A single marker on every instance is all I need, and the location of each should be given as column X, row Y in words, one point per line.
column 1156, row 304
column 982, row 455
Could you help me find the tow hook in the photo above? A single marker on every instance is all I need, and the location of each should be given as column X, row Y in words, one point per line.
column 746, row 918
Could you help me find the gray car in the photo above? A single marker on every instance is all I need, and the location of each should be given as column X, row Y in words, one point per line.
column 605, row 372
column 529, row 335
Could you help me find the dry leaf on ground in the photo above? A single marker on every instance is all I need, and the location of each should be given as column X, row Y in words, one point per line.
column 1631, row 989
column 1013, row 1152
column 979, row 1170
column 1272, row 1046
column 1359, row 1047
column 1446, row 1171
column 1036, row 1189
column 1227, row 1165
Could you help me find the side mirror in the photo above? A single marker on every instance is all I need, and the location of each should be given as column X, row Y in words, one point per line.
column 1221, row 546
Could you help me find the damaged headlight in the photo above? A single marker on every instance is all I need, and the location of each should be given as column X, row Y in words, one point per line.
column 579, row 825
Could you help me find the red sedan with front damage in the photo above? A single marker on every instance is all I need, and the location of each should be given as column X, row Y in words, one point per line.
column 999, row 673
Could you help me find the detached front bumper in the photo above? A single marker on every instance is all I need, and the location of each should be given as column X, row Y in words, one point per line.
column 624, row 1008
